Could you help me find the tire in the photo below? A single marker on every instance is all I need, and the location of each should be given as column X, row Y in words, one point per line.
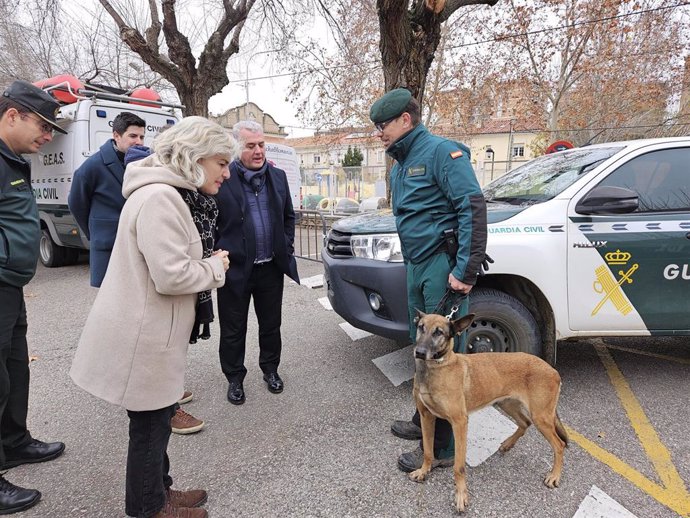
column 502, row 324
column 53, row 255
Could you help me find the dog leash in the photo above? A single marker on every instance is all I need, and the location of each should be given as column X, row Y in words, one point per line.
column 459, row 297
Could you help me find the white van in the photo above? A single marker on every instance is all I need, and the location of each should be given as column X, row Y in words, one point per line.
column 88, row 122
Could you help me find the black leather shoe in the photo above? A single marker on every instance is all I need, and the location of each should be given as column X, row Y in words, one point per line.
column 406, row 430
column 236, row 393
column 14, row 498
column 34, row 451
column 275, row 384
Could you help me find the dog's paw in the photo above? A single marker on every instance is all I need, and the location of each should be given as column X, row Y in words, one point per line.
column 418, row 475
column 462, row 499
column 507, row 445
column 552, row 480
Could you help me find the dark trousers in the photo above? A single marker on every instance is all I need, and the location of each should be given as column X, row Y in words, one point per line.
column 14, row 369
column 265, row 286
column 147, row 461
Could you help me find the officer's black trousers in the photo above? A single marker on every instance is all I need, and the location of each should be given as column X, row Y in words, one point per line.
column 14, row 369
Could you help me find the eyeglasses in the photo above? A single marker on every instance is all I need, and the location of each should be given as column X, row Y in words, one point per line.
column 45, row 128
column 380, row 126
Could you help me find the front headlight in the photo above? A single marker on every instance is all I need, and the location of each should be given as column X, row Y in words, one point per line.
column 380, row 247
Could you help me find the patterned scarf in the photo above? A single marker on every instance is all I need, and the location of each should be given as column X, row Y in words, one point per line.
column 204, row 213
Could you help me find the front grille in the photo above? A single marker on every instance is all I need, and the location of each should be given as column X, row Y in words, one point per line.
column 339, row 244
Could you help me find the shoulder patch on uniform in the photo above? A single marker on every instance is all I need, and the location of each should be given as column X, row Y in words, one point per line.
column 456, row 154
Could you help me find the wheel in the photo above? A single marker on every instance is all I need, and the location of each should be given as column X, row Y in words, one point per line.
column 502, row 324
column 53, row 255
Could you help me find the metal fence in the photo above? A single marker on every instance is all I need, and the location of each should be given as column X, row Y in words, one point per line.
column 311, row 226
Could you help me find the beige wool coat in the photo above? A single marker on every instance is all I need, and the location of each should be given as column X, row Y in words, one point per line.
column 132, row 351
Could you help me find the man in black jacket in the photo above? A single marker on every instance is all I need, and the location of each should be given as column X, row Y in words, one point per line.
column 256, row 225
column 27, row 121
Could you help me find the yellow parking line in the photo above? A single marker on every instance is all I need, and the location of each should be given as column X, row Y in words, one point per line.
column 656, row 451
column 684, row 361
column 672, row 491
column 677, row 502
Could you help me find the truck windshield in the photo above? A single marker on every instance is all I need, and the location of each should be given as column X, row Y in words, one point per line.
column 545, row 177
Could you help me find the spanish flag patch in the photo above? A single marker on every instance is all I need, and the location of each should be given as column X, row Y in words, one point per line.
column 456, row 154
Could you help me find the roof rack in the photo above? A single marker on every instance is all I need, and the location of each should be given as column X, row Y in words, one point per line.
column 84, row 93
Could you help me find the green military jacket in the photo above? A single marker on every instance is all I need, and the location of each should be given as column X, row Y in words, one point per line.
column 434, row 188
column 20, row 230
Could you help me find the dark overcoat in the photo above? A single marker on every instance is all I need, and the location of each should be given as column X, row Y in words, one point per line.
column 96, row 201
column 236, row 229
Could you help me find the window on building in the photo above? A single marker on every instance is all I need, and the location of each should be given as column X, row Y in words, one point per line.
column 519, row 150
column 379, row 156
column 317, row 159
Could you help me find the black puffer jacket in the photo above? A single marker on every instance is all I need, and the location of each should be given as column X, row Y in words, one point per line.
column 20, row 231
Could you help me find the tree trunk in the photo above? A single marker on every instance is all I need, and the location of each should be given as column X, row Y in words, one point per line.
column 409, row 39
column 196, row 80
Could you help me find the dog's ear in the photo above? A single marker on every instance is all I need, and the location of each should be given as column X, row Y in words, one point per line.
column 419, row 316
column 462, row 323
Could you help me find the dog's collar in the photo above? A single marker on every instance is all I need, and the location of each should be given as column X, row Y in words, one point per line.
column 441, row 358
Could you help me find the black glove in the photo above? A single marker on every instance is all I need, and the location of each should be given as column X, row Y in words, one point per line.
column 485, row 264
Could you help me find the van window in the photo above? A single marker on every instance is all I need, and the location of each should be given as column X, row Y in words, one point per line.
column 543, row 178
column 661, row 179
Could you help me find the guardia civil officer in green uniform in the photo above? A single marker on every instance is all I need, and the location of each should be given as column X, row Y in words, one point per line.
column 27, row 122
column 441, row 219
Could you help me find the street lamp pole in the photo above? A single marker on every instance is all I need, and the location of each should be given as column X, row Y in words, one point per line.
column 246, row 71
column 490, row 153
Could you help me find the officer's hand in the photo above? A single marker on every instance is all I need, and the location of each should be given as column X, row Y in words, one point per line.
column 485, row 264
column 457, row 285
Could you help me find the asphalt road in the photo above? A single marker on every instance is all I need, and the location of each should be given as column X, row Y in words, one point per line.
column 322, row 448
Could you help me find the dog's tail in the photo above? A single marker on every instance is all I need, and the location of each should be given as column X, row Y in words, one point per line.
column 560, row 430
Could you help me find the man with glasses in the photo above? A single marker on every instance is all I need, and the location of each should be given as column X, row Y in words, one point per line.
column 27, row 120
column 441, row 220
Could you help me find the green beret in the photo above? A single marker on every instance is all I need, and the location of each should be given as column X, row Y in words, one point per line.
column 389, row 106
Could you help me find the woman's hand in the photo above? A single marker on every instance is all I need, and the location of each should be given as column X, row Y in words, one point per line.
column 224, row 256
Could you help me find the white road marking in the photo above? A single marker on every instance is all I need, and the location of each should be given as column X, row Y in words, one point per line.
column 353, row 332
column 598, row 504
column 313, row 282
column 486, row 430
column 397, row 366
column 326, row 303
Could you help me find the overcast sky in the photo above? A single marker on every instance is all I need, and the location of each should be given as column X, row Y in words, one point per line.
column 268, row 94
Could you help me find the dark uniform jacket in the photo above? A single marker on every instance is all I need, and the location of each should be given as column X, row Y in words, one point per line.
column 96, row 201
column 434, row 188
column 20, row 231
column 236, row 229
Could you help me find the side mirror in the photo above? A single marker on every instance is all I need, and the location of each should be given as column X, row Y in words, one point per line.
column 608, row 200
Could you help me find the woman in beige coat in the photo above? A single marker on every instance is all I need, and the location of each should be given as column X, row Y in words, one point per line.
column 133, row 348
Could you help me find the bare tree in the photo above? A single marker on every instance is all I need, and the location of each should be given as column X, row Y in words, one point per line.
column 194, row 79
column 605, row 68
column 45, row 38
column 410, row 33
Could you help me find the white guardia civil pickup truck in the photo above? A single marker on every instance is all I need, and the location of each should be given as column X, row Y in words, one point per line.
column 588, row 242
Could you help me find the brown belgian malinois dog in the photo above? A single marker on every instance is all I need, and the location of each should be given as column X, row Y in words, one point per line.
column 450, row 386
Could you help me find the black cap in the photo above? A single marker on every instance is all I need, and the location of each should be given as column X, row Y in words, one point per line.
column 36, row 100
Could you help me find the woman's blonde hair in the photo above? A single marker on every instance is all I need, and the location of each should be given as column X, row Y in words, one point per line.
column 182, row 146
